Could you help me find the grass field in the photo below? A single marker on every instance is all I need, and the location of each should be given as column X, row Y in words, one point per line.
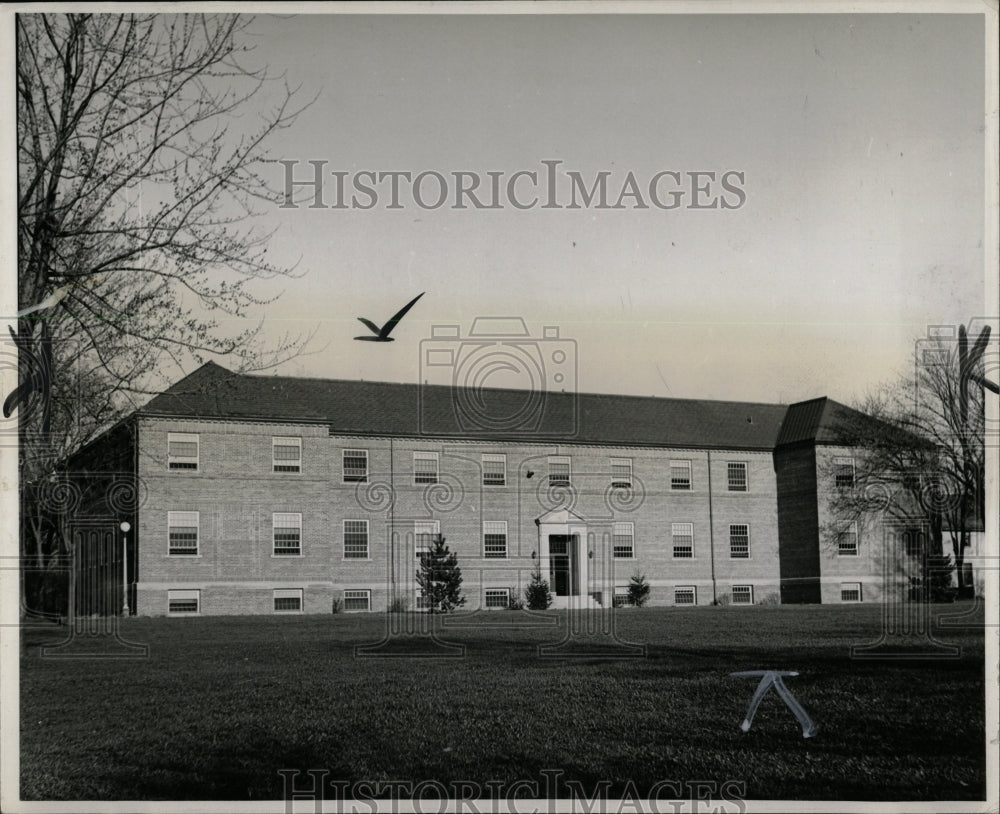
column 222, row 704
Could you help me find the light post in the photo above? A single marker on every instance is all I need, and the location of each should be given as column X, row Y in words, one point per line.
column 125, row 527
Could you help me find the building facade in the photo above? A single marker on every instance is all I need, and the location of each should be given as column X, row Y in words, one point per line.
column 256, row 494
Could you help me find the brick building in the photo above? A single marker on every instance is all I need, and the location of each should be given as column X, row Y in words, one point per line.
column 260, row 494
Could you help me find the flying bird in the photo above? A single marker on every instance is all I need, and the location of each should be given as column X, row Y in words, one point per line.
column 382, row 334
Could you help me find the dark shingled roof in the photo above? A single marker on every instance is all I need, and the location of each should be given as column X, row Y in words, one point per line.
column 825, row 421
column 815, row 420
column 380, row 408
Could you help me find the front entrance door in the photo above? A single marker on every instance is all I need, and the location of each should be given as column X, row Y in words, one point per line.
column 562, row 564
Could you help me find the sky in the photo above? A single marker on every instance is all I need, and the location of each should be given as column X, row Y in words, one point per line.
column 860, row 140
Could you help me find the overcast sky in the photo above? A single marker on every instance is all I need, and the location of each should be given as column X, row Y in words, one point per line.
column 860, row 139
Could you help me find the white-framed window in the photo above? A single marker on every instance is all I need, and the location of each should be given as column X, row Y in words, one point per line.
column 843, row 469
column 357, row 600
column 496, row 597
column 736, row 476
column 424, row 534
column 559, row 470
column 182, row 450
column 182, row 533
column 850, row 591
column 183, row 602
column 286, row 530
column 425, row 467
column 494, row 470
column 286, row 454
column 685, row 595
column 742, row 595
column 682, row 536
column 495, row 539
column 739, row 541
column 621, row 473
column 623, row 541
column 287, row 600
column 355, row 465
column 847, row 541
column 680, row 476
column 355, row 539
column 621, row 597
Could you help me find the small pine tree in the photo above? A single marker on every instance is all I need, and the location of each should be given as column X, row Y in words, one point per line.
column 638, row 589
column 934, row 583
column 537, row 592
column 440, row 578
column 939, row 569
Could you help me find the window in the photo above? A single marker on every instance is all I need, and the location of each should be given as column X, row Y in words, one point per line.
column 683, row 539
column 685, row 595
column 286, row 454
column 736, row 476
column 424, row 534
column 183, row 602
column 743, row 594
column 850, row 592
column 182, row 451
column 739, row 541
column 495, row 539
column 425, row 467
column 357, row 600
column 843, row 469
column 914, row 543
column 622, row 598
column 680, row 475
column 847, row 542
column 287, row 531
column 494, row 470
column 288, row 601
column 355, row 539
column 559, row 470
column 182, row 529
column 497, row 597
column 355, row 466
column 621, row 473
column 623, row 541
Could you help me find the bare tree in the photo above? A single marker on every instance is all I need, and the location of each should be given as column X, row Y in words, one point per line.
column 920, row 449
column 142, row 153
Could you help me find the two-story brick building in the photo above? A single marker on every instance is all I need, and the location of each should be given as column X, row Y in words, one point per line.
column 266, row 494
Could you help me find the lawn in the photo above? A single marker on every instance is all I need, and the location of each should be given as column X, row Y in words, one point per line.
column 221, row 705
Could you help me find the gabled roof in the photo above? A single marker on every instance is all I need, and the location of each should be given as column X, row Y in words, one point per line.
column 381, row 408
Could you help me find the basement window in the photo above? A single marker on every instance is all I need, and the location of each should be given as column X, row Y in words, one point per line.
column 850, row 592
column 357, row 600
column 288, row 600
column 497, row 597
column 183, row 602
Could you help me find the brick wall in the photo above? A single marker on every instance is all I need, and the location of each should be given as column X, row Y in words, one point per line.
column 798, row 523
column 236, row 493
